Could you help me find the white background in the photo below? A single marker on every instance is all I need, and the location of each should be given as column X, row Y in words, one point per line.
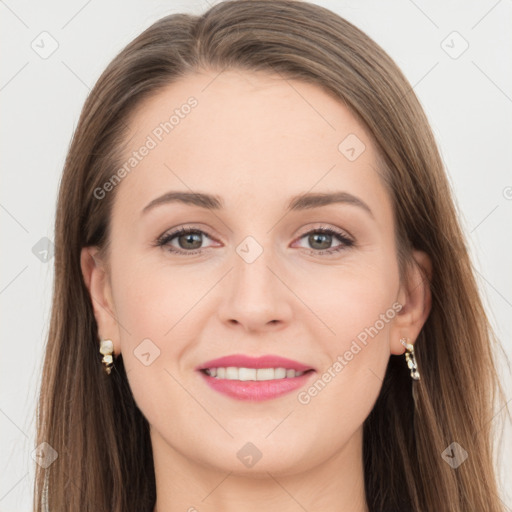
column 468, row 101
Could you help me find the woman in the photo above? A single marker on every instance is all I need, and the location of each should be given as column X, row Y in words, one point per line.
column 321, row 344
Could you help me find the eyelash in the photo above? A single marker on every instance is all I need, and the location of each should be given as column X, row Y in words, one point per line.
column 165, row 239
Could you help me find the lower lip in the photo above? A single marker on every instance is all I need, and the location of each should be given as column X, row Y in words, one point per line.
column 256, row 390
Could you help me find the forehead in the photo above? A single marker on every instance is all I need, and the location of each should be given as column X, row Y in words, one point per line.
column 244, row 134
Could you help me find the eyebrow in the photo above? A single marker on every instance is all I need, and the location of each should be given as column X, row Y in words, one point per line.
column 297, row 203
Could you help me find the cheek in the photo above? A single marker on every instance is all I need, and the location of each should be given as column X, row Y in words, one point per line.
column 152, row 299
column 365, row 313
column 359, row 307
column 155, row 332
column 354, row 302
column 151, row 306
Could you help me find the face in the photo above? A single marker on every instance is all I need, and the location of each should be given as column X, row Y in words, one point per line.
column 254, row 273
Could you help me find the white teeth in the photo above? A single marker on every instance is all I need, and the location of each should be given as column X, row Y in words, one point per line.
column 231, row 373
column 244, row 374
column 279, row 373
column 265, row 373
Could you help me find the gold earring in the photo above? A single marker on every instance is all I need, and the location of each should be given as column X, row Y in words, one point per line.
column 410, row 359
column 107, row 349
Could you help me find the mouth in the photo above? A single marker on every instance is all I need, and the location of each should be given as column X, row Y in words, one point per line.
column 253, row 374
column 241, row 361
column 248, row 378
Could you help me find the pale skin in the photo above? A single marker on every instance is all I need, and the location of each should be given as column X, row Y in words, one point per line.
column 255, row 140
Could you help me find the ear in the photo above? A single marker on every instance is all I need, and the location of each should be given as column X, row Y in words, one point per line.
column 98, row 283
column 416, row 300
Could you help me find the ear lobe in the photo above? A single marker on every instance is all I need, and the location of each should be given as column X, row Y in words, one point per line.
column 97, row 282
column 416, row 300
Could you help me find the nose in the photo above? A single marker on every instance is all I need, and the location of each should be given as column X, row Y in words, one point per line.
column 255, row 295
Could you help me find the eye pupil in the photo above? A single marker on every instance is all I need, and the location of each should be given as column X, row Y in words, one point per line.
column 189, row 237
column 317, row 237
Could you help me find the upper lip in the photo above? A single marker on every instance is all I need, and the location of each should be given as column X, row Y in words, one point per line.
column 243, row 361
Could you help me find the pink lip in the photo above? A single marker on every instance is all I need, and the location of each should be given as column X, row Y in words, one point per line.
column 255, row 390
column 242, row 361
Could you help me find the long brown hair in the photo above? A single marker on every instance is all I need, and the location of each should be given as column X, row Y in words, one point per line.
column 82, row 411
